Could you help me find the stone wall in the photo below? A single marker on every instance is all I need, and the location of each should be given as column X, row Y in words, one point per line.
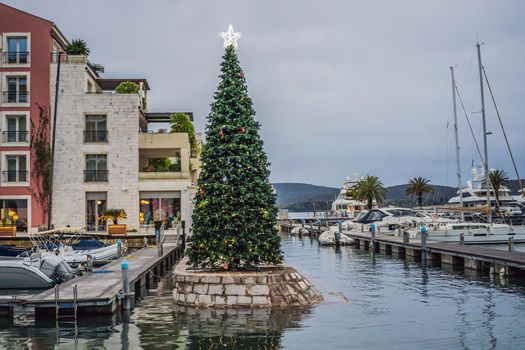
column 69, row 188
column 270, row 287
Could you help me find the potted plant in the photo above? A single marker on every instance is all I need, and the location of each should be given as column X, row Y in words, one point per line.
column 114, row 214
column 8, row 226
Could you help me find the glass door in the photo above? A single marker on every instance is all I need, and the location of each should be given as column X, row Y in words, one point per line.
column 95, row 208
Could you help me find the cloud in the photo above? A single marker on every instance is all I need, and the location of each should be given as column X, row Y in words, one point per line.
column 339, row 86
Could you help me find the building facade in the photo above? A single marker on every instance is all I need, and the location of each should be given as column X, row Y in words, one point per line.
column 109, row 152
column 26, row 44
column 108, row 156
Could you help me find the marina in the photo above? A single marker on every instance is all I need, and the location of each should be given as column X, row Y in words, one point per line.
column 139, row 210
column 476, row 258
column 101, row 291
column 365, row 295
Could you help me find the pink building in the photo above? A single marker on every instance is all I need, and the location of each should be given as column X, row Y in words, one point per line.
column 26, row 46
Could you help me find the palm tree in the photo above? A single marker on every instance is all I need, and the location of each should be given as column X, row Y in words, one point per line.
column 369, row 189
column 417, row 187
column 78, row 47
column 498, row 179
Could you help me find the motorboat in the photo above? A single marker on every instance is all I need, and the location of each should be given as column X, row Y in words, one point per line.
column 345, row 205
column 60, row 242
column 330, row 237
column 473, row 233
column 34, row 272
column 390, row 220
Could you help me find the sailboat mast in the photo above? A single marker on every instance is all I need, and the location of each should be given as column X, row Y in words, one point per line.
column 485, row 150
column 458, row 163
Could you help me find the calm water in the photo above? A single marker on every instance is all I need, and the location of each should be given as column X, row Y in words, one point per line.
column 371, row 303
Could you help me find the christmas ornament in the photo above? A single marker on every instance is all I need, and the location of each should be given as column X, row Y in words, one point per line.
column 230, row 37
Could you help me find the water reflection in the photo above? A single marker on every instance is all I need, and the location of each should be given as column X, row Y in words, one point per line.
column 235, row 328
column 372, row 300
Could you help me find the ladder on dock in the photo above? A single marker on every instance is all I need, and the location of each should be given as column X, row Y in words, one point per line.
column 65, row 305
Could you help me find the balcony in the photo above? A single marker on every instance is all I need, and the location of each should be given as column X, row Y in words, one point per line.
column 15, row 136
column 16, row 57
column 161, row 140
column 15, row 96
column 163, row 175
column 95, row 176
column 15, row 176
column 96, row 136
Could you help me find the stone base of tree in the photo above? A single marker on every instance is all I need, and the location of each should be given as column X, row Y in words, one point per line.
column 271, row 287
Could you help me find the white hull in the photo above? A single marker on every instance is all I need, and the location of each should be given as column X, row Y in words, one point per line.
column 476, row 234
column 17, row 274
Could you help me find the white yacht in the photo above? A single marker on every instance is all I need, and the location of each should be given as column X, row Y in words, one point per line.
column 390, row 220
column 345, row 205
column 475, row 193
column 473, row 233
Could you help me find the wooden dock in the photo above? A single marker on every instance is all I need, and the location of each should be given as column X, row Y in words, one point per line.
column 470, row 257
column 101, row 292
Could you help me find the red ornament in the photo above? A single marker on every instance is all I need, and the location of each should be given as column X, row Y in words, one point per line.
column 201, row 191
column 243, row 130
column 242, row 74
column 221, row 133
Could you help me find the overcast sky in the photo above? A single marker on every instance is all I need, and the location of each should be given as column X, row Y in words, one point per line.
column 339, row 86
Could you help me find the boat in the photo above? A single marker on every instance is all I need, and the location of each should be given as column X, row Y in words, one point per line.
column 11, row 251
column 60, row 241
column 473, row 233
column 478, row 195
column 390, row 220
column 333, row 238
column 475, row 194
column 345, row 205
column 34, row 272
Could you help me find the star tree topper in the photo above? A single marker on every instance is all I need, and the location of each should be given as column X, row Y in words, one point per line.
column 230, row 37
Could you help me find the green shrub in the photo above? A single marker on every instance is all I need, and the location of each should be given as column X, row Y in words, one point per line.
column 127, row 87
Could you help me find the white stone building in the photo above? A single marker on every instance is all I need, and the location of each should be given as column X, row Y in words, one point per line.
column 108, row 155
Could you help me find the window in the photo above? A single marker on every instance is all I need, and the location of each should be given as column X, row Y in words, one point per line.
column 17, row 50
column 17, row 90
column 16, row 126
column 96, row 168
column 16, row 169
column 96, row 129
column 95, row 208
column 14, row 212
column 164, row 206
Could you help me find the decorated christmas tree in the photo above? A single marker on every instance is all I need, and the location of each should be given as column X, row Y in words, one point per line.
column 235, row 216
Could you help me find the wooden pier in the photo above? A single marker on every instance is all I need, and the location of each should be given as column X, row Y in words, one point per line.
column 489, row 260
column 100, row 292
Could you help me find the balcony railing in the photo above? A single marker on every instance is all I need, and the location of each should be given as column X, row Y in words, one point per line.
column 95, row 175
column 16, row 57
column 96, row 136
column 15, row 96
column 15, row 136
column 14, row 176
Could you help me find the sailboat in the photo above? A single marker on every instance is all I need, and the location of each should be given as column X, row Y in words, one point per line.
column 475, row 233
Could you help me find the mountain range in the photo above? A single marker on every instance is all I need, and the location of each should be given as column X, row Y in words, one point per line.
column 302, row 197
